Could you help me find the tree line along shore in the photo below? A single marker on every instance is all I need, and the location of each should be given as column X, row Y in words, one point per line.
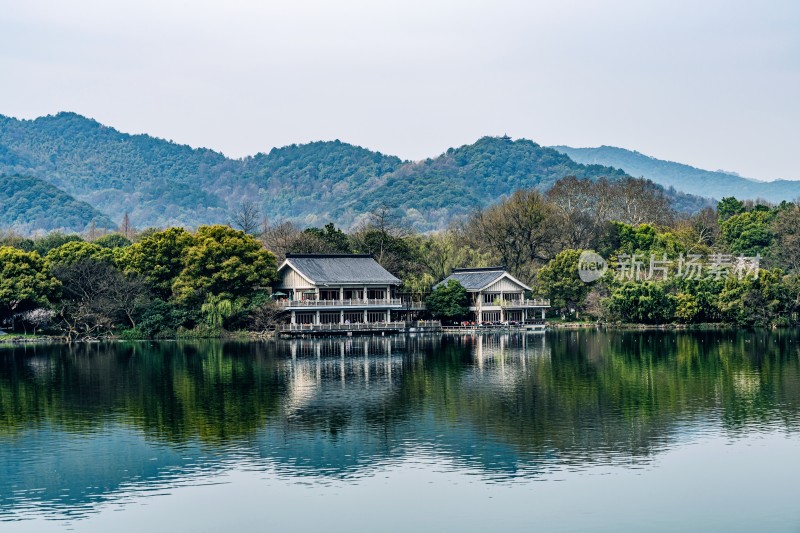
column 213, row 280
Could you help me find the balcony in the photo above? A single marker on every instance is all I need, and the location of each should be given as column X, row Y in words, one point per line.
column 512, row 304
column 392, row 303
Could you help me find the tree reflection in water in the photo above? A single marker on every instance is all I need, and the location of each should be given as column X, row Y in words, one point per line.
column 80, row 424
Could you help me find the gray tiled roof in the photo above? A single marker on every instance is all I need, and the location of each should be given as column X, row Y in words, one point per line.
column 344, row 269
column 474, row 280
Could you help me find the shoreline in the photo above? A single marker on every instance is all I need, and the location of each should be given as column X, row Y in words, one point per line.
column 12, row 339
column 658, row 327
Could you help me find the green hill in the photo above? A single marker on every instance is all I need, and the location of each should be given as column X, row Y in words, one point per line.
column 162, row 183
column 684, row 177
column 30, row 204
column 432, row 192
column 319, row 182
column 314, row 183
column 156, row 181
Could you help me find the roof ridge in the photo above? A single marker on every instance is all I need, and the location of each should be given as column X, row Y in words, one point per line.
column 321, row 269
column 329, row 256
column 481, row 269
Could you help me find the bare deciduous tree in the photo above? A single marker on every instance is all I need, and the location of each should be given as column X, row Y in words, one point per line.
column 92, row 233
column 787, row 230
column 264, row 317
column 95, row 295
column 383, row 235
column 287, row 238
column 521, row 230
column 586, row 206
column 125, row 228
column 247, row 217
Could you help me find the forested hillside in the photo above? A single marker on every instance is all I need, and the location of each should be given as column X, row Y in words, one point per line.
column 314, row 183
column 28, row 204
column 156, row 181
column 160, row 183
column 462, row 179
column 684, row 177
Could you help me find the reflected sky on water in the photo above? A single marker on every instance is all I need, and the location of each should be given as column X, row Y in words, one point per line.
column 569, row 430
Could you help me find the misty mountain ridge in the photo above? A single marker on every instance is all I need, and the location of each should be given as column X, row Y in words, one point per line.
column 161, row 183
column 710, row 184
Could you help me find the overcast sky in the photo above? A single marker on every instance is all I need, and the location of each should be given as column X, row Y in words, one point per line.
column 715, row 84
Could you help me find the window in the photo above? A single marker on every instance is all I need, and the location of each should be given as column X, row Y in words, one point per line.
column 377, row 294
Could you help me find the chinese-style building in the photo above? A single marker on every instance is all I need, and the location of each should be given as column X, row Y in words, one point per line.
column 497, row 296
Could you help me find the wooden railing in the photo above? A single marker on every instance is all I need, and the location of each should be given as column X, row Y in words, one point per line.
column 341, row 303
column 394, row 302
column 372, row 326
column 536, row 302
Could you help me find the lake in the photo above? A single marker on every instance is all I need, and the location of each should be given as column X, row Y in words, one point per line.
column 566, row 431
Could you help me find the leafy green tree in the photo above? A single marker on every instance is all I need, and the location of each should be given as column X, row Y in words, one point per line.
column 728, row 207
column 636, row 239
column 25, row 282
column 749, row 233
column 73, row 252
column 159, row 257
column 448, row 301
column 335, row 240
column 161, row 319
column 646, row 303
column 224, row 262
column 418, row 286
column 559, row 281
column 681, row 240
column 704, row 293
column 764, row 301
column 53, row 240
column 390, row 248
column 686, row 307
column 113, row 240
column 216, row 309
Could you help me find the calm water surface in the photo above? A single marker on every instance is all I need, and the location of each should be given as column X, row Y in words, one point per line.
column 567, row 431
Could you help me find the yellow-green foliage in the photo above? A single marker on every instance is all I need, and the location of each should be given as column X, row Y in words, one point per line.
column 25, row 281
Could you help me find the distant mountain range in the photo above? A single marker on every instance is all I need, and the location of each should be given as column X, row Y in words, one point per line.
column 691, row 180
column 160, row 183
